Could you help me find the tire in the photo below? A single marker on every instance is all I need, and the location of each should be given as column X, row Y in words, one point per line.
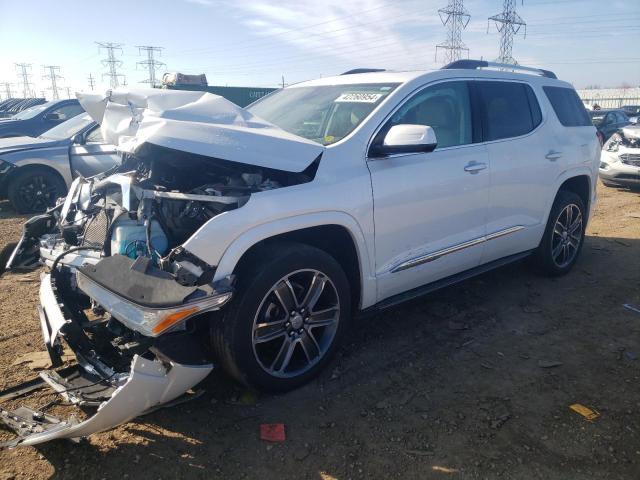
column 552, row 258
column 262, row 365
column 35, row 189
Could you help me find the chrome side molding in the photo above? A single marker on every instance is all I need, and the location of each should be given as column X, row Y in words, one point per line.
column 430, row 257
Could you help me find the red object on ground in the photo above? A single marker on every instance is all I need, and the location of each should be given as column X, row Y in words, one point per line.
column 272, row 432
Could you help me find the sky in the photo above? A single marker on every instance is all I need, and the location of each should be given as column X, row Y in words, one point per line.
column 258, row 42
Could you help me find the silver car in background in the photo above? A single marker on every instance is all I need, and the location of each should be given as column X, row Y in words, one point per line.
column 35, row 172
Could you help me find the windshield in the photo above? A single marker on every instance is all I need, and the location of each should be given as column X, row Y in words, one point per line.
column 69, row 128
column 31, row 112
column 324, row 114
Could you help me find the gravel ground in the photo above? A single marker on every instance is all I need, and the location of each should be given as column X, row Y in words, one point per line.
column 474, row 381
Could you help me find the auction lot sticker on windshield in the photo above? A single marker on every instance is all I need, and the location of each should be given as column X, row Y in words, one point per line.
column 358, row 98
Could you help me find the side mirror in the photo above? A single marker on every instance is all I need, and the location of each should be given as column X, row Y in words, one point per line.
column 52, row 117
column 408, row 139
column 77, row 139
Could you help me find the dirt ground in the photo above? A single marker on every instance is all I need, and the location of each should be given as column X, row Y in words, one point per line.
column 474, row 381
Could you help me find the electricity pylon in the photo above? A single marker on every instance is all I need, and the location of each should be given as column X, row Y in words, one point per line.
column 456, row 18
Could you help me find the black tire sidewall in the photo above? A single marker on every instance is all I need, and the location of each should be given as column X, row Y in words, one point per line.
column 20, row 178
column 543, row 254
column 256, row 282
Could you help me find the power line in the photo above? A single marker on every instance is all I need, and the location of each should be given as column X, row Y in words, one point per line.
column 306, row 27
column 456, row 18
column 508, row 24
column 111, row 62
column 53, row 76
column 388, row 19
column 24, row 76
column 7, row 89
column 91, row 82
column 151, row 63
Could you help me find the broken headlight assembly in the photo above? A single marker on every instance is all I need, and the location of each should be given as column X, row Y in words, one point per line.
column 148, row 300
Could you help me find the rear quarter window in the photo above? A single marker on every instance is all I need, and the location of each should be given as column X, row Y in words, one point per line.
column 510, row 109
column 568, row 107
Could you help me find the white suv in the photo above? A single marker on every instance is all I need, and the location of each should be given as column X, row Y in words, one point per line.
column 252, row 237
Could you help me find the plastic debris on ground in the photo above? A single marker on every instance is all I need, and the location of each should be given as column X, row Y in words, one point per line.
column 586, row 412
column 631, row 307
column 272, row 432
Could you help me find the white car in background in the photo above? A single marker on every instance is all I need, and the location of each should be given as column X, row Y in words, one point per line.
column 620, row 160
column 258, row 234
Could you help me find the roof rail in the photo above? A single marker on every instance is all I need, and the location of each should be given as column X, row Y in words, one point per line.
column 475, row 64
column 362, row 70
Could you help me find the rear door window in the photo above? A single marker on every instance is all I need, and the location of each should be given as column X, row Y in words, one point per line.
column 568, row 107
column 510, row 109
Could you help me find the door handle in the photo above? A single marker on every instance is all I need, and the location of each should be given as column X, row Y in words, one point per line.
column 553, row 155
column 474, row 167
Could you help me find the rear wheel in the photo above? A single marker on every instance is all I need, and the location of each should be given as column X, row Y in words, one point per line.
column 35, row 189
column 289, row 314
column 564, row 235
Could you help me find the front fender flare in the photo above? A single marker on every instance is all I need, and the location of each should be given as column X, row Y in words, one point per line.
column 234, row 252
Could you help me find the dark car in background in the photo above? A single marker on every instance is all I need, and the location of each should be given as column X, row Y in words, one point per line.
column 40, row 118
column 11, row 106
column 608, row 122
column 633, row 112
column 35, row 172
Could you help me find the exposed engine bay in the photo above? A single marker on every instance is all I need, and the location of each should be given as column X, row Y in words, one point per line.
column 149, row 206
column 626, row 137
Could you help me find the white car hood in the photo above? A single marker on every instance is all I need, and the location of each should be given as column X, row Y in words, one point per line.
column 199, row 123
column 631, row 132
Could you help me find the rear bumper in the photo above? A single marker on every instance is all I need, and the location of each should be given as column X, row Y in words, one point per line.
column 153, row 378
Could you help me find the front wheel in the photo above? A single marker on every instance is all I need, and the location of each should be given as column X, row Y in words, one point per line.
column 564, row 235
column 290, row 312
column 35, row 189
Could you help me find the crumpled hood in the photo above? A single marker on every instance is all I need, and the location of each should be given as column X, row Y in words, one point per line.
column 196, row 122
column 14, row 144
column 631, row 131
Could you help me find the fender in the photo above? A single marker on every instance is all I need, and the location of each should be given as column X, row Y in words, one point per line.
column 239, row 246
column 62, row 169
column 576, row 171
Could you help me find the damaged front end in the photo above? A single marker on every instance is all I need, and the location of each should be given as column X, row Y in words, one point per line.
column 124, row 296
column 121, row 291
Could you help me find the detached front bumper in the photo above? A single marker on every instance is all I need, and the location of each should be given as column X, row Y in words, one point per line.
column 163, row 370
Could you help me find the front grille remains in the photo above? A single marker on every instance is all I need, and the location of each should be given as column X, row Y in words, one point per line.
column 630, row 159
column 96, row 229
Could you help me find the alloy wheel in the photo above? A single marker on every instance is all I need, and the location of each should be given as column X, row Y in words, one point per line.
column 38, row 193
column 296, row 323
column 567, row 235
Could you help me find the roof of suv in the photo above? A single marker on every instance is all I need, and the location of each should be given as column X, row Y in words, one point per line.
column 389, row 76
